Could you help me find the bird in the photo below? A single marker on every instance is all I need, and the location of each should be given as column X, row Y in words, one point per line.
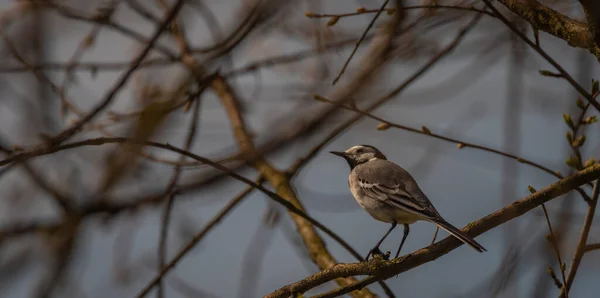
column 391, row 195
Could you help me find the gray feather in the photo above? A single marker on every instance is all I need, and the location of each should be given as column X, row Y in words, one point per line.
column 388, row 182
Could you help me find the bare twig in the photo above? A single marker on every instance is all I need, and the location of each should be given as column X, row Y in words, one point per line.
column 590, row 247
column 583, row 236
column 543, row 53
column 313, row 242
column 554, row 241
column 407, row 82
column 197, row 238
column 362, row 37
column 68, row 133
column 393, row 10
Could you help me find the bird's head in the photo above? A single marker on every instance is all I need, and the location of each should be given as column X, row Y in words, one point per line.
column 358, row 154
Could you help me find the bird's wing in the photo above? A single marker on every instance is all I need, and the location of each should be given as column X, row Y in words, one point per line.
column 387, row 183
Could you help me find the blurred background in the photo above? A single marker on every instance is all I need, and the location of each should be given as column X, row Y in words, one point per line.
column 235, row 80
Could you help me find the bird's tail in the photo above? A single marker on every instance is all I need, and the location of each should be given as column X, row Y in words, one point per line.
column 459, row 234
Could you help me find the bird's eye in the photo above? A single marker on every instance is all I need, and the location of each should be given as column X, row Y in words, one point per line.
column 359, row 150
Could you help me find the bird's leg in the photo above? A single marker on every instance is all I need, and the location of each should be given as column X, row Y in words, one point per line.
column 406, row 231
column 375, row 250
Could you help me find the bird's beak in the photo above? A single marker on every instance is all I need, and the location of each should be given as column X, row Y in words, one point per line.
column 342, row 154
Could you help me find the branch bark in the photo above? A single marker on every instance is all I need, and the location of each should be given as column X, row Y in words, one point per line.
column 575, row 33
column 591, row 9
column 582, row 243
column 380, row 269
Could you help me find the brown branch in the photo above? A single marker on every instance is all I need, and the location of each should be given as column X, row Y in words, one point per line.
column 589, row 97
column 171, row 201
column 592, row 14
column 541, row 17
column 583, row 236
column 177, row 30
column 344, row 290
column 22, row 229
column 385, row 269
column 590, row 247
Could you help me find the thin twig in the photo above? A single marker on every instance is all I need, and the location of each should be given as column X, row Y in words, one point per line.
column 590, row 247
column 461, row 144
column 583, row 236
column 407, row 82
column 197, row 238
column 543, row 53
column 554, row 242
column 361, row 39
column 111, row 94
column 393, row 10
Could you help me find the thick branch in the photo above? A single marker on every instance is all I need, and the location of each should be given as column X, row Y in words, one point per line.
column 280, row 181
column 575, row 33
column 592, row 14
column 563, row 73
column 385, row 269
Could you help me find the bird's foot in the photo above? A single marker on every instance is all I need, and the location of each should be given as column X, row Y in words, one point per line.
column 376, row 251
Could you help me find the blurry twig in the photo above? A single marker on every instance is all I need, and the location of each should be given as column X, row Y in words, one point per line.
column 590, row 247
column 554, row 241
column 254, row 255
column 281, row 183
column 111, row 94
column 198, row 237
column 362, row 38
column 393, row 10
column 174, row 179
column 177, row 30
column 87, row 42
column 407, row 82
column 73, row 14
column 385, row 124
column 543, row 53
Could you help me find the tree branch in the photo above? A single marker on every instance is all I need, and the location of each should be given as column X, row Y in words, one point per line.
column 581, row 244
column 592, row 14
column 563, row 73
column 384, row 269
column 112, row 93
column 575, row 33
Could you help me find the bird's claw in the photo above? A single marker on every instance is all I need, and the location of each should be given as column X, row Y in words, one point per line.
column 377, row 251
